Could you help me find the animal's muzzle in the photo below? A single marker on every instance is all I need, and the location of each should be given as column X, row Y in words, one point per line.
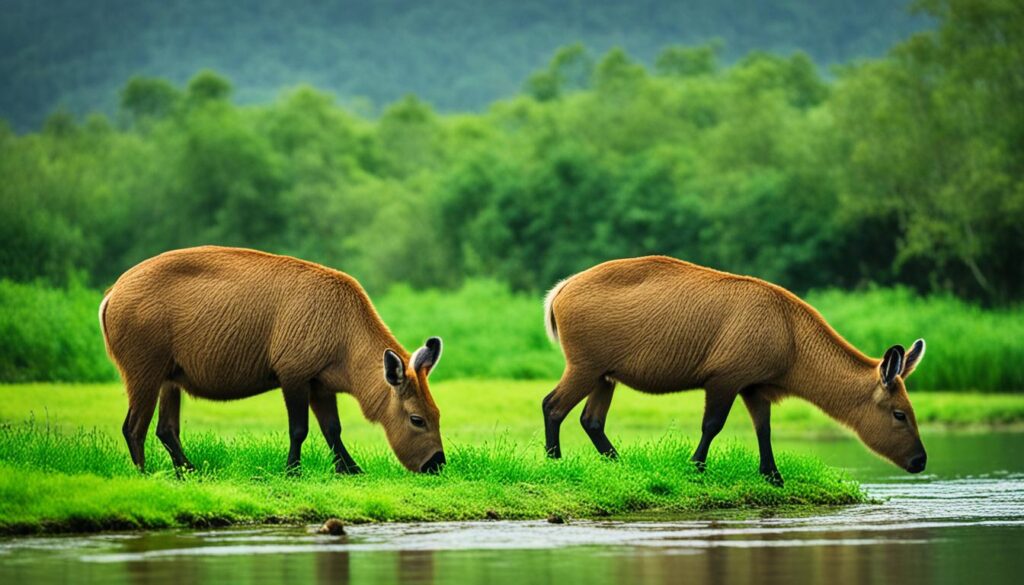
column 434, row 464
column 917, row 463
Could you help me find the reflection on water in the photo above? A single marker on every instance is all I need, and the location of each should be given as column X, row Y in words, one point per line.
column 946, row 527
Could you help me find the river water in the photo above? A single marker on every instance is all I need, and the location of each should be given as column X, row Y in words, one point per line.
column 962, row 521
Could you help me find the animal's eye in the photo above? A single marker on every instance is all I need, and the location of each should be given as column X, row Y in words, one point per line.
column 418, row 421
column 899, row 415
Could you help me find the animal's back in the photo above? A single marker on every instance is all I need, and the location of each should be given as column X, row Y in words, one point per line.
column 226, row 322
column 660, row 325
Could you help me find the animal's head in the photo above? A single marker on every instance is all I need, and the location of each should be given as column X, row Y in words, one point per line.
column 888, row 425
column 412, row 420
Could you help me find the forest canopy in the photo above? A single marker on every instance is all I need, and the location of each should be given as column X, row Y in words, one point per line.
column 901, row 169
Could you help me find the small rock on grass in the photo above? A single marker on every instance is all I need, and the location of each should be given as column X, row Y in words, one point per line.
column 556, row 519
column 492, row 515
column 333, row 527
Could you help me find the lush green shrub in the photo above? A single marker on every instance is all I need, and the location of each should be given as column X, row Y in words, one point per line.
column 489, row 332
column 51, row 334
column 968, row 347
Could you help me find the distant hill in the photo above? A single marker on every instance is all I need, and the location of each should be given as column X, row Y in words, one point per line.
column 457, row 54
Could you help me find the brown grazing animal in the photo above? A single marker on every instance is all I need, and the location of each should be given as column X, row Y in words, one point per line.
column 662, row 325
column 228, row 323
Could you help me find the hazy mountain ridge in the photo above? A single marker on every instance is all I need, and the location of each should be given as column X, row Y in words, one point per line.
column 455, row 54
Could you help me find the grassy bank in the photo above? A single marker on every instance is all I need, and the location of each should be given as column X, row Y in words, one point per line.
column 63, row 464
column 490, row 333
column 58, row 481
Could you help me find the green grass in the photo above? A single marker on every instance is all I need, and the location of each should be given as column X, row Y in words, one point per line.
column 64, row 466
column 490, row 333
column 53, row 481
column 478, row 410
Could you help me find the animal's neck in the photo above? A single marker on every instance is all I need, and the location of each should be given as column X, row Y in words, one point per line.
column 364, row 371
column 829, row 372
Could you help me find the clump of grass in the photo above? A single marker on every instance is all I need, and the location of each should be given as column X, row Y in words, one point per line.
column 52, row 480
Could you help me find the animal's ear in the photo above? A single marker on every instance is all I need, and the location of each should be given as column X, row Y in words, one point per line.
column 394, row 368
column 913, row 358
column 892, row 365
column 427, row 356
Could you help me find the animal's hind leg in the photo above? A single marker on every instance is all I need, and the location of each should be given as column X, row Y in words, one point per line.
column 593, row 417
column 142, row 399
column 760, row 412
column 168, row 425
column 717, row 404
column 571, row 389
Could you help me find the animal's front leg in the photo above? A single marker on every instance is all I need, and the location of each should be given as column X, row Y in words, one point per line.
column 717, row 403
column 296, row 400
column 760, row 412
column 324, row 404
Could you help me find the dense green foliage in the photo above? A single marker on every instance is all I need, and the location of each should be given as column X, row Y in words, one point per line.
column 51, row 334
column 490, row 332
column 457, row 54
column 53, row 481
column 905, row 169
column 968, row 347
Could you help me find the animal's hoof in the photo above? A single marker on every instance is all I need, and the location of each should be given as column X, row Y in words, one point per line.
column 348, row 469
column 700, row 465
column 293, row 471
column 554, row 453
column 611, row 455
column 773, row 477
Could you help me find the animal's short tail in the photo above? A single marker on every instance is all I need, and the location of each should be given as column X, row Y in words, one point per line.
column 549, row 311
column 103, row 321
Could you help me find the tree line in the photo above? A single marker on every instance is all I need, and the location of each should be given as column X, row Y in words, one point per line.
column 903, row 169
column 456, row 54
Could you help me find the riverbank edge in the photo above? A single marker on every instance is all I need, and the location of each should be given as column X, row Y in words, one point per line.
column 48, row 503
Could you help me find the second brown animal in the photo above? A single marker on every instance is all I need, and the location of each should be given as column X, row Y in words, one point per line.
column 662, row 325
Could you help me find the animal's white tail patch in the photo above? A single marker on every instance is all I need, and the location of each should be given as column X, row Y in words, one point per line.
column 103, row 321
column 549, row 316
